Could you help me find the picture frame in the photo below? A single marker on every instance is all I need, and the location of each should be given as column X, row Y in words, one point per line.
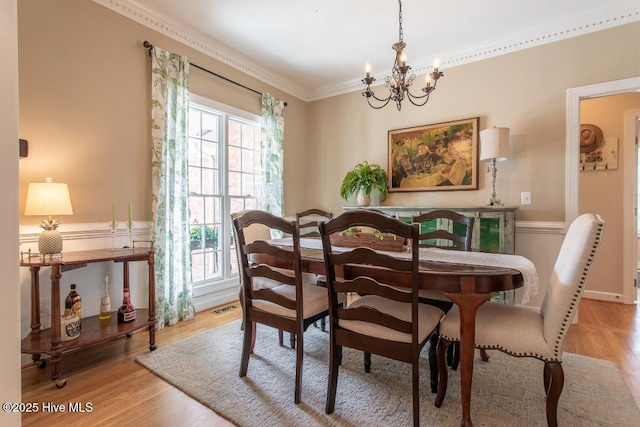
column 434, row 157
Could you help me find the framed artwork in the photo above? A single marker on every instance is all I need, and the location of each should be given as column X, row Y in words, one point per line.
column 603, row 157
column 437, row 157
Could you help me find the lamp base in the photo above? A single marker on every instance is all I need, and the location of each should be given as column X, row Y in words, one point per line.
column 494, row 202
column 50, row 242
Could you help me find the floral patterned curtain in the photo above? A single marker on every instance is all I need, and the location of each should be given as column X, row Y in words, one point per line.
column 170, row 189
column 272, row 154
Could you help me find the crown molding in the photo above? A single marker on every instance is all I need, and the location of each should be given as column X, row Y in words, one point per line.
column 204, row 44
column 578, row 25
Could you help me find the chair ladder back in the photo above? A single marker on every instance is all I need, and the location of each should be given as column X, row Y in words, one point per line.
column 260, row 259
column 388, row 268
column 451, row 218
column 308, row 221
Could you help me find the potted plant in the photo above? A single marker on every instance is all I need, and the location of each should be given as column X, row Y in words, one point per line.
column 211, row 237
column 195, row 234
column 361, row 180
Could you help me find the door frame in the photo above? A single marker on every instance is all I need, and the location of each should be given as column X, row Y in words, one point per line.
column 572, row 158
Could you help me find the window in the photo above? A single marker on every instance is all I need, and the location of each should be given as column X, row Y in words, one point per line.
column 225, row 176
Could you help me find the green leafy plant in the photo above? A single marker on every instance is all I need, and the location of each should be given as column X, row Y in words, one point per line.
column 196, row 235
column 366, row 176
column 211, row 237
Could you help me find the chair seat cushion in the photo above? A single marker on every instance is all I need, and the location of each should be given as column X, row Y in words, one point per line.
column 516, row 330
column 315, row 301
column 263, row 282
column 428, row 318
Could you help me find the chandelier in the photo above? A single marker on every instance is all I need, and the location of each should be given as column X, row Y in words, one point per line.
column 398, row 82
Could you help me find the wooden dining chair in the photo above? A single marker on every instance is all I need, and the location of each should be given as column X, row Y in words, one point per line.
column 386, row 320
column 522, row 332
column 290, row 305
column 261, row 232
column 445, row 229
column 308, row 221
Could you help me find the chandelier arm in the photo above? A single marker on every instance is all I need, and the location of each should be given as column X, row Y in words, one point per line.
column 400, row 79
column 381, row 100
column 385, row 100
column 418, row 104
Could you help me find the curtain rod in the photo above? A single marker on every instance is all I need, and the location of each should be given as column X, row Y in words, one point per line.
column 149, row 46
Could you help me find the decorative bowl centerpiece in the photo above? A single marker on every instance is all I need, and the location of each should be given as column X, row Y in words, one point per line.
column 355, row 237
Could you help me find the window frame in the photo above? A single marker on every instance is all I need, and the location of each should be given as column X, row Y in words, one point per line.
column 219, row 291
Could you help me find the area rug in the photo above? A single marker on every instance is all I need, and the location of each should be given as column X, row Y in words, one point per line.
column 507, row 391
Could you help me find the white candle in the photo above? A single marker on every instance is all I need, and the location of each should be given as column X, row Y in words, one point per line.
column 130, row 222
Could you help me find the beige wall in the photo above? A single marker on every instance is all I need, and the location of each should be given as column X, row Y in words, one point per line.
column 601, row 191
column 10, row 389
column 525, row 91
column 84, row 107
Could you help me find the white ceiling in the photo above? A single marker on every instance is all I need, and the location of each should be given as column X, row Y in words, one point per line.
column 318, row 48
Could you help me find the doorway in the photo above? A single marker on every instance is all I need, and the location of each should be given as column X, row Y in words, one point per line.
column 628, row 163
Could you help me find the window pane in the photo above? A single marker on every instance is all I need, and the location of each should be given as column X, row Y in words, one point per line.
column 194, row 123
column 210, row 214
column 225, row 176
column 248, row 187
column 195, row 180
column 234, row 133
column 196, row 210
column 237, row 205
column 209, row 129
column 248, row 136
column 248, row 157
column 235, row 184
column 194, row 151
column 235, row 159
column 210, row 181
column 210, row 154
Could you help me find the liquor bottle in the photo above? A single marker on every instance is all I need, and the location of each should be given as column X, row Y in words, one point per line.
column 69, row 326
column 127, row 312
column 105, row 301
column 73, row 302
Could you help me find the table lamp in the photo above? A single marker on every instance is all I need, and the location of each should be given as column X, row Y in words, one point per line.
column 494, row 146
column 48, row 198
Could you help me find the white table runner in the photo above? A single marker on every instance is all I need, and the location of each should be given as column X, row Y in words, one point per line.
column 528, row 270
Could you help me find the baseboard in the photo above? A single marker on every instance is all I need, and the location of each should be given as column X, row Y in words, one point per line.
column 211, row 300
column 603, row 296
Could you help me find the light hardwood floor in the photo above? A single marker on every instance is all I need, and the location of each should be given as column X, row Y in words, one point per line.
column 123, row 392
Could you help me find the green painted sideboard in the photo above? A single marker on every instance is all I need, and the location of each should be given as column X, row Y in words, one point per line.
column 494, row 229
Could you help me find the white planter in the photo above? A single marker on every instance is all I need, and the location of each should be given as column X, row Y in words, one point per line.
column 375, row 197
column 362, row 199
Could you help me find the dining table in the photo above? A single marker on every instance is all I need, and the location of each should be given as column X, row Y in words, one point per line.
column 469, row 279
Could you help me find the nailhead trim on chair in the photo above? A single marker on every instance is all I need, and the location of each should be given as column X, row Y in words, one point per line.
column 504, row 350
column 576, row 297
column 565, row 325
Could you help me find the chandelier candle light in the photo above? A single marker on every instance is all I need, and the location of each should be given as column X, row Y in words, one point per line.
column 494, row 146
column 399, row 83
column 48, row 198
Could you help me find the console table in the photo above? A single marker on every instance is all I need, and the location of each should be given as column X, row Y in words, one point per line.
column 494, row 229
column 94, row 330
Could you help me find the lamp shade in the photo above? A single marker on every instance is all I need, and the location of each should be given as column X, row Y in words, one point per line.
column 494, row 144
column 48, row 198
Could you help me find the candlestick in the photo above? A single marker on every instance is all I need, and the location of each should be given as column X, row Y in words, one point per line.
column 130, row 223
column 113, row 215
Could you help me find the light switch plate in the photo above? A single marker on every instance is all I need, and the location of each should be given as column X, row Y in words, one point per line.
column 525, row 198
